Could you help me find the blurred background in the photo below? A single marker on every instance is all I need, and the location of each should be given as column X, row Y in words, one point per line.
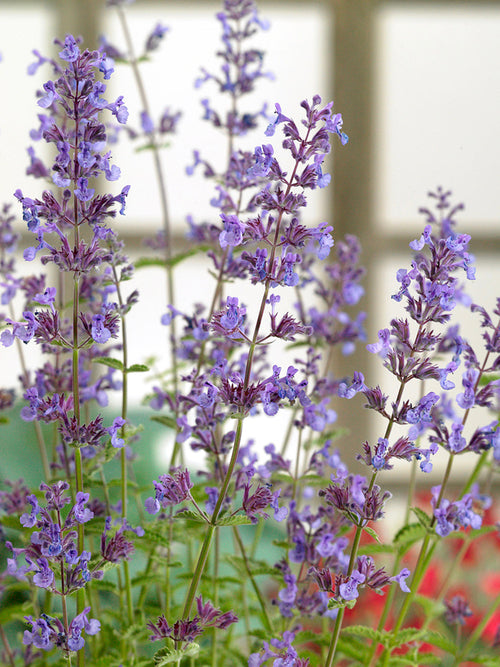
column 418, row 85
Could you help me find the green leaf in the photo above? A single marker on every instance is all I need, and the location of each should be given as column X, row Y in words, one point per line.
column 167, row 421
column 431, row 607
column 404, row 636
column 191, row 516
column 482, row 658
column 437, row 639
column 109, row 361
column 150, row 147
column 423, row 518
column 352, row 648
column 134, row 631
column 166, row 656
column 238, row 520
column 372, row 533
column 4, row 419
column 257, row 567
column 14, row 612
column 176, row 259
column 365, row 631
column 409, row 534
column 152, row 536
column 137, row 368
column 371, row 549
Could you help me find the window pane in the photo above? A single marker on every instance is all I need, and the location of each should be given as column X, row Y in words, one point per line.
column 438, row 109
column 295, row 46
column 18, row 111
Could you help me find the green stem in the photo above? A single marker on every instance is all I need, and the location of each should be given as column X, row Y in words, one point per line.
column 200, row 567
column 215, row 596
column 8, row 650
column 262, row 603
column 340, row 615
column 479, row 629
column 167, row 227
column 38, row 429
column 123, row 453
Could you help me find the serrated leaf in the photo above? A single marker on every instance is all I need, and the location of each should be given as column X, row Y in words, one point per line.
column 136, row 630
column 191, row 516
column 154, row 537
column 420, row 660
column 238, row 520
column 404, row 636
column 109, row 361
column 423, row 518
column 437, row 639
column 365, row 631
column 482, row 659
column 352, row 648
column 165, row 420
column 166, row 656
column 137, row 368
column 409, row 534
column 372, row 533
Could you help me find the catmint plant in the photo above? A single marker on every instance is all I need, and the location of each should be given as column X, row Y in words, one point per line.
column 240, row 550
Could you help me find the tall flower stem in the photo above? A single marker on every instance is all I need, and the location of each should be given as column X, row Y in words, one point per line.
column 167, row 227
column 359, row 528
column 8, row 650
column 205, row 548
column 267, row 620
column 38, row 429
column 123, row 453
column 479, row 629
column 340, row 615
column 421, row 560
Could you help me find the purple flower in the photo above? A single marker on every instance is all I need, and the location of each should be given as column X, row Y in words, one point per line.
column 401, row 579
column 82, row 191
column 116, row 441
column 357, row 385
column 232, row 234
column 263, row 161
column 119, row 110
column 170, row 490
column 457, row 610
column 146, row 123
column 154, row 39
column 230, row 321
column 349, row 589
column 71, row 52
column 29, row 520
column 280, row 118
column 81, row 513
column 383, row 346
column 100, row 333
column 77, row 625
column 42, row 635
column 467, row 399
column 44, row 576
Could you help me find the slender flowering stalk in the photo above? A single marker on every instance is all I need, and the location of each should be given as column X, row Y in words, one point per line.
column 305, row 554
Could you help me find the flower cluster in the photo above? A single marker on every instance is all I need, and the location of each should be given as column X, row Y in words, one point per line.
column 283, row 534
